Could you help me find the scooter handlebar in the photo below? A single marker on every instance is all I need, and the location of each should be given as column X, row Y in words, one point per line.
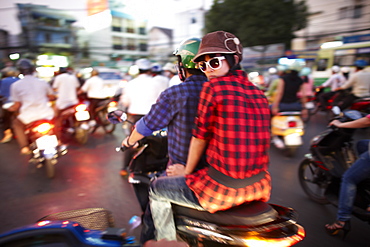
column 121, row 148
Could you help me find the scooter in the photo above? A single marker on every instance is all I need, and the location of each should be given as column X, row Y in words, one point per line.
column 75, row 122
column 331, row 154
column 82, row 227
column 250, row 224
column 287, row 129
column 44, row 145
column 101, row 111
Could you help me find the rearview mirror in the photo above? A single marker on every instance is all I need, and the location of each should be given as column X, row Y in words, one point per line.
column 117, row 116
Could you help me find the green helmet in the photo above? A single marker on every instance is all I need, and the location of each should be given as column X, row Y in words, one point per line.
column 187, row 51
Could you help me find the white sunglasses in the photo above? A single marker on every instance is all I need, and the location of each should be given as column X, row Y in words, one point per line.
column 213, row 63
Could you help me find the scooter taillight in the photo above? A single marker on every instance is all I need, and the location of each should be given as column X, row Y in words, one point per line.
column 43, row 128
column 112, row 104
column 292, row 124
column 81, row 107
column 278, row 242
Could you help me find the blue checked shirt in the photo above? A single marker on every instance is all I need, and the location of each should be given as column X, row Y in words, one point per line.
column 175, row 109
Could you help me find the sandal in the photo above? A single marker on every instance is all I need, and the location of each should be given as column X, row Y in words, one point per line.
column 338, row 226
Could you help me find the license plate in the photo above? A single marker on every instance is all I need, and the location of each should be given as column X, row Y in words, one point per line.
column 82, row 115
column 47, row 141
column 310, row 105
column 293, row 140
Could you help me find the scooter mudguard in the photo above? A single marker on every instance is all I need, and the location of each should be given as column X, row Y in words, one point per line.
column 283, row 125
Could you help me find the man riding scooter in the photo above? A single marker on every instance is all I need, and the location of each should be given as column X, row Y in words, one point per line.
column 31, row 97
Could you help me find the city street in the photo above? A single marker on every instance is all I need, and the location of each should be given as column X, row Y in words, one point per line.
column 88, row 176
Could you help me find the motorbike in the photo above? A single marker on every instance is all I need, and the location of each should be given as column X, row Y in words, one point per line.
column 75, row 122
column 314, row 105
column 331, row 154
column 250, row 224
column 101, row 111
column 287, row 129
column 81, row 227
column 44, row 145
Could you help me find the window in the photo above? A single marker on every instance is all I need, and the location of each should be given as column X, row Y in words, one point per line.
column 322, row 64
column 116, row 24
column 357, row 11
column 130, row 26
column 343, row 13
column 47, row 38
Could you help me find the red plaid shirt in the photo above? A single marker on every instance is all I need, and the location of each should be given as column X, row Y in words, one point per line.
column 234, row 117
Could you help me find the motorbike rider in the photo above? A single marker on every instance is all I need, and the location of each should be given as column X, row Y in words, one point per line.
column 231, row 128
column 66, row 87
column 31, row 97
column 359, row 171
column 286, row 97
column 10, row 75
column 360, row 84
column 270, row 93
column 273, row 74
column 94, row 88
column 171, row 72
column 161, row 80
column 334, row 82
column 175, row 109
column 139, row 95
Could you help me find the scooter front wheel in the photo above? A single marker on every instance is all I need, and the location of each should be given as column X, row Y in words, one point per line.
column 314, row 181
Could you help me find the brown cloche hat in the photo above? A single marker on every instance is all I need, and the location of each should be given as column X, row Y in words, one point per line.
column 219, row 42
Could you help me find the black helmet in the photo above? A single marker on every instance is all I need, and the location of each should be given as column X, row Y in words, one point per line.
column 25, row 66
column 63, row 70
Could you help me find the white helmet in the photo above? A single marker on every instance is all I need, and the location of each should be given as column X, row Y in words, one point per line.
column 143, row 64
column 272, row 70
column 305, row 71
column 345, row 69
column 156, row 67
column 335, row 68
column 170, row 67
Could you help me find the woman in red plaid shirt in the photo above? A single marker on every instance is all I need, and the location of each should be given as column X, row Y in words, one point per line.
column 232, row 128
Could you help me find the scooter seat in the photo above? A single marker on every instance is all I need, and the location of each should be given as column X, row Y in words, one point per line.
column 289, row 113
column 253, row 213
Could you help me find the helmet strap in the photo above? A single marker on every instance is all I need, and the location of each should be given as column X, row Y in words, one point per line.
column 181, row 70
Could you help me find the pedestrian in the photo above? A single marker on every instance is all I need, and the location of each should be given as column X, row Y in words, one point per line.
column 10, row 75
column 175, row 110
column 31, row 98
column 232, row 129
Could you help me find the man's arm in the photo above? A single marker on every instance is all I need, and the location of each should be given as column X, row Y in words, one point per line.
column 196, row 150
column 15, row 107
column 358, row 123
column 278, row 96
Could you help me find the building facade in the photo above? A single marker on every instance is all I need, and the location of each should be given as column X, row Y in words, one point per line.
column 332, row 20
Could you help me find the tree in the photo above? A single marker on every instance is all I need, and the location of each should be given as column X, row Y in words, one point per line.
column 258, row 22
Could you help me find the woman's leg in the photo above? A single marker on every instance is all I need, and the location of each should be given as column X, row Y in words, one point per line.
column 359, row 171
